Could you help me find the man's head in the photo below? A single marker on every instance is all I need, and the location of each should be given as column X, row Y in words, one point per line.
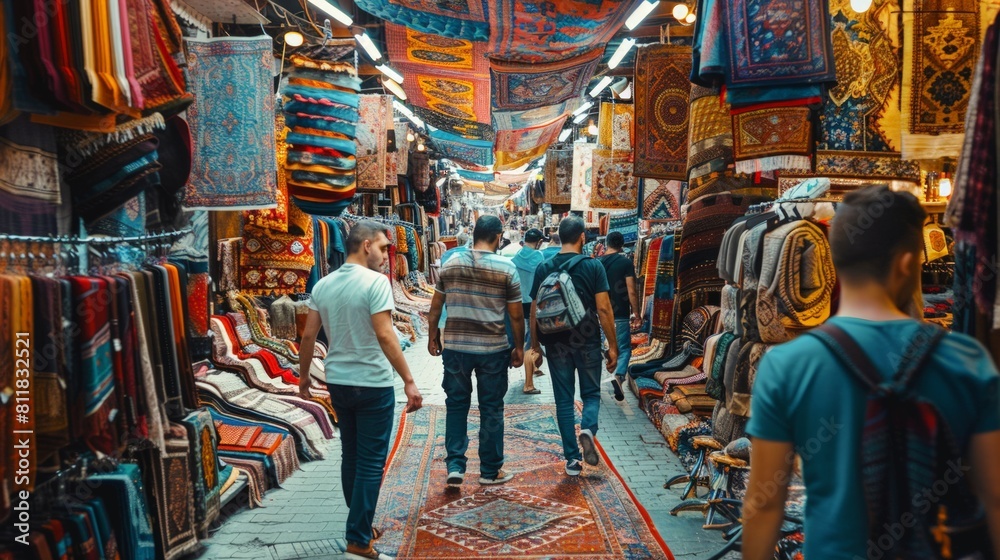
column 462, row 239
column 487, row 232
column 571, row 232
column 533, row 238
column 615, row 241
column 369, row 243
column 877, row 237
column 554, row 239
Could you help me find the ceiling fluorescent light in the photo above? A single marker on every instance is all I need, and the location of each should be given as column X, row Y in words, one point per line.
column 621, row 51
column 402, row 108
column 417, row 121
column 580, row 118
column 605, row 81
column 394, row 87
column 565, row 134
column 390, row 72
column 640, row 13
column 366, row 42
column 333, row 11
column 583, row 108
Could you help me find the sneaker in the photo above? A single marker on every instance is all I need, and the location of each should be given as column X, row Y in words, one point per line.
column 587, row 447
column 357, row 552
column 574, row 467
column 455, row 479
column 616, row 384
column 500, row 478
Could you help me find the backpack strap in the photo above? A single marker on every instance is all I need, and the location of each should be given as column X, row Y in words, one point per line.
column 570, row 264
column 917, row 354
column 849, row 353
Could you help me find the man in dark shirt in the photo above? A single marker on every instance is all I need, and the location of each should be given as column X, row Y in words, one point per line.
column 624, row 301
column 578, row 351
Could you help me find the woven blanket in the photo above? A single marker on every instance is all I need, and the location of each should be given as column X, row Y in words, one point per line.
column 530, row 139
column 710, row 135
column 772, row 139
column 776, row 42
column 506, row 161
column 559, row 175
column 663, row 290
column 661, row 200
column 796, row 281
column 614, row 185
column 169, row 473
column 464, row 19
column 232, row 124
column 28, row 162
column 462, row 150
column 454, row 95
column 272, row 262
column 662, row 100
column 520, row 86
column 531, row 118
column 738, row 401
column 866, row 165
column 939, row 60
column 540, row 514
column 535, row 31
column 374, row 120
column 625, row 223
column 583, row 173
column 615, row 126
column 206, row 481
column 408, row 45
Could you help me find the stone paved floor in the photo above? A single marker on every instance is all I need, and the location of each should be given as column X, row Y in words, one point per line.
column 305, row 518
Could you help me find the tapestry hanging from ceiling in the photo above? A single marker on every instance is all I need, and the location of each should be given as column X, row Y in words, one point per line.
column 559, row 175
column 506, row 161
column 615, row 126
column 662, row 99
column 516, row 120
column 459, row 19
column 583, row 167
column 462, row 150
column 529, row 138
column 544, row 31
column 462, row 127
column 465, row 97
column 275, row 218
column 481, row 177
column 520, row 86
column 613, row 183
column 374, row 113
column 661, row 200
column 407, row 45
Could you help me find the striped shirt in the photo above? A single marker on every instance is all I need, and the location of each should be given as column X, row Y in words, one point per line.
column 477, row 286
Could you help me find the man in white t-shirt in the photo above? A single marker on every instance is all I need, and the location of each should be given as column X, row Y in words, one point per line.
column 354, row 306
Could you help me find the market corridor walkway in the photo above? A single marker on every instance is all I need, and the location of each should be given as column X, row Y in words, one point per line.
column 305, row 518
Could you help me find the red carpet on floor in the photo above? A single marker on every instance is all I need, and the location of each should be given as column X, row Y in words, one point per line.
column 542, row 513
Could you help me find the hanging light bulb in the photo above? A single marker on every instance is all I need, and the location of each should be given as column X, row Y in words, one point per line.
column 690, row 18
column 294, row 39
column 944, row 186
column 420, row 146
column 366, row 42
column 861, row 6
column 592, row 129
column 410, row 137
column 680, row 12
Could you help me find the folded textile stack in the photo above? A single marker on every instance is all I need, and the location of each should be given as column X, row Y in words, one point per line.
column 321, row 110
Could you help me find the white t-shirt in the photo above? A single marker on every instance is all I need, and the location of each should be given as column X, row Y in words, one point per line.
column 346, row 299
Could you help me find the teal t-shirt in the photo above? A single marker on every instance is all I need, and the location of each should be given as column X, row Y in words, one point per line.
column 803, row 395
column 346, row 299
column 527, row 260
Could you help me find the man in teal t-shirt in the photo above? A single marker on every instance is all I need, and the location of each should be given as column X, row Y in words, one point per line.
column 804, row 401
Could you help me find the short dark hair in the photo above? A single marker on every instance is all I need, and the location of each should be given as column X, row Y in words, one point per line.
column 487, row 227
column 554, row 238
column 365, row 230
column 872, row 226
column 571, row 228
column 616, row 240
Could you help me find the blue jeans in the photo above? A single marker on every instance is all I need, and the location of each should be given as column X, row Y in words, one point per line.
column 491, row 378
column 623, row 331
column 565, row 363
column 365, row 420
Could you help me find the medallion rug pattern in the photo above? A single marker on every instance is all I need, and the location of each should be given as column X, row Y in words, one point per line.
column 542, row 513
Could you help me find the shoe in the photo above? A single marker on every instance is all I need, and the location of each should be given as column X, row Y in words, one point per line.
column 500, row 478
column 539, row 373
column 534, row 391
column 587, row 447
column 357, row 552
column 455, row 479
column 616, row 384
column 574, row 467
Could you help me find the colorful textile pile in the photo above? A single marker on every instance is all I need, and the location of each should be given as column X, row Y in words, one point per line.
column 662, row 100
column 661, row 200
column 374, row 120
column 664, row 286
column 321, row 104
column 613, row 183
column 273, row 262
column 583, row 172
column 559, row 175
column 625, row 223
column 232, row 124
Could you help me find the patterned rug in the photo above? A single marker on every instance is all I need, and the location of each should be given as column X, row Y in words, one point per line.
column 544, row 31
column 518, row 86
column 542, row 513
column 613, row 183
column 661, row 200
column 583, row 173
column 615, row 126
column 531, row 118
column 662, row 97
column 374, row 119
column 462, row 150
column 232, row 124
column 559, row 175
column 506, row 161
column 461, row 19
column 463, row 127
column 772, row 138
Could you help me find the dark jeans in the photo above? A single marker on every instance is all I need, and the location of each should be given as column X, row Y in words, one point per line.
column 623, row 331
column 365, row 419
column 565, row 363
column 491, row 380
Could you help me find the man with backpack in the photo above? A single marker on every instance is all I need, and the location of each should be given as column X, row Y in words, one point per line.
column 480, row 288
column 570, row 307
column 896, row 423
column 625, row 303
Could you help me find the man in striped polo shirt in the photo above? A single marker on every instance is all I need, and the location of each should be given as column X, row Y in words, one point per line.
column 480, row 288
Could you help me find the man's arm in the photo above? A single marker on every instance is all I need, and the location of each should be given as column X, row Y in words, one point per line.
column 607, row 317
column 984, row 454
column 764, row 505
column 533, row 327
column 306, row 349
column 633, row 297
column 387, row 339
column 433, row 318
column 516, row 312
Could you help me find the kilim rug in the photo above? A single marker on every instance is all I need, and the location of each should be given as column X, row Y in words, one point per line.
column 614, row 125
column 772, row 139
column 559, row 175
column 462, row 150
column 542, row 513
column 232, row 124
column 613, row 183
column 519, row 86
column 463, row 127
column 583, row 173
column 661, row 200
column 460, row 19
column 374, row 119
column 662, row 98
column 545, row 31
column 939, row 60
column 531, row 118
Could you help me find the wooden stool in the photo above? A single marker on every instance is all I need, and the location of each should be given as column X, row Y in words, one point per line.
column 719, row 500
column 704, row 445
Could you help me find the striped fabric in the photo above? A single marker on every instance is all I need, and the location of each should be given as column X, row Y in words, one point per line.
column 478, row 286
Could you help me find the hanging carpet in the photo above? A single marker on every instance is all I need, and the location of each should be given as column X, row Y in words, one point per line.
column 518, row 85
column 275, row 218
column 615, row 126
column 531, row 118
column 513, row 141
column 462, row 150
column 463, row 19
column 475, row 175
column 661, row 200
column 772, row 139
column 463, row 127
column 407, row 45
column 583, row 176
column 613, row 183
column 232, row 124
column 540, row 514
column 662, row 99
column 374, row 119
column 540, row 31
column 559, row 175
